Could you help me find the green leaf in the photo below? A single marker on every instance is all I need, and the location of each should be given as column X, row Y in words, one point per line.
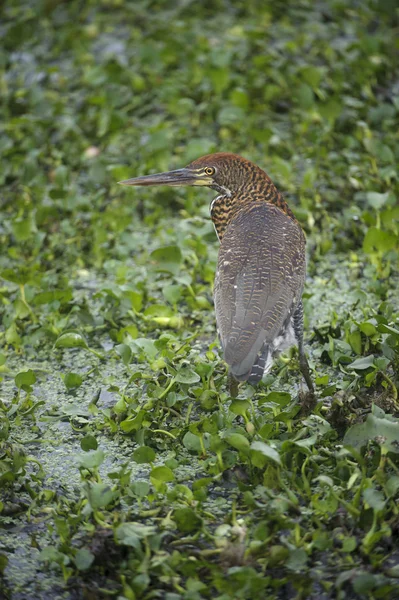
column 135, row 298
column 376, row 200
column 143, row 455
column 71, row 339
column 188, row 376
column 355, row 340
column 3, row 563
column 192, row 442
column 92, row 459
column 380, row 429
column 25, row 379
column 240, row 407
column 125, row 352
column 99, row 495
column 377, row 240
column 267, row 451
column 72, row 380
column 163, row 474
column 89, row 442
column 187, row 520
column 172, row 293
column 84, row 559
column 360, row 364
column 237, row 441
column 140, row 488
column 280, row 398
column 297, row 560
column 167, row 259
column 374, row 498
column 131, row 534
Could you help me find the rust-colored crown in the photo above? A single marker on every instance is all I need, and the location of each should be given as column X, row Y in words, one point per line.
column 240, row 183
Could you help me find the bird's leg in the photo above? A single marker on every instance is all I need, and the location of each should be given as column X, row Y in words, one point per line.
column 232, row 385
column 303, row 361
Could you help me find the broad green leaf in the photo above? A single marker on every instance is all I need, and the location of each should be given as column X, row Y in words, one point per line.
column 188, row 376
column 380, row 429
column 73, row 380
column 187, row 520
column 143, row 454
column 99, row 495
column 168, row 259
column 131, row 534
column 238, row 441
column 89, row 442
column 240, row 407
column 374, row 498
column 162, row 473
column 267, row 451
column 362, row 363
column 91, row 459
column 71, row 339
column 25, row 379
column 84, row 559
column 377, row 240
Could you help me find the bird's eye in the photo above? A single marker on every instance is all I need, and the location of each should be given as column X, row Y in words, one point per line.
column 209, row 171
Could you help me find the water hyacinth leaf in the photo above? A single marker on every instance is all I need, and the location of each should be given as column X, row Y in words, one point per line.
column 363, row 363
column 266, row 451
column 89, row 442
column 167, row 259
column 3, row 563
column 125, row 352
column 99, row 495
column 172, row 293
column 187, row 375
column 297, row 559
column 143, row 455
column 84, row 559
column 237, row 441
column 135, row 298
column 280, row 398
column 73, row 380
column 140, row 488
column 162, row 474
column 380, row 429
column 374, row 498
column 376, row 200
column 378, row 240
column 71, row 339
column 240, row 407
column 147, row 346
column 92, row 459
column 388, row 329
column 131, row 533
column 25, row 379
column 192, row 442
column 187, row 520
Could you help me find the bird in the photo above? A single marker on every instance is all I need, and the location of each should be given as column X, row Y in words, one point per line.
column 261, row 267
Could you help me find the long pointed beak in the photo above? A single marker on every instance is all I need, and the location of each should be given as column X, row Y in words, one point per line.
column 173, row 178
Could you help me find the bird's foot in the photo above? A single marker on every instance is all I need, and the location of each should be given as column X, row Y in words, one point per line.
column 308, row 402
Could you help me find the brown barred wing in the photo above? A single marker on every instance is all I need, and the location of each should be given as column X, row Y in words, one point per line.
column 259, row 282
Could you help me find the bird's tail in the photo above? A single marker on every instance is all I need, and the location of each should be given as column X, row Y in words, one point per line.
column 255, row 374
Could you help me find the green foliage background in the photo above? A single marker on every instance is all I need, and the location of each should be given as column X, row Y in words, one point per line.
column 125, row 467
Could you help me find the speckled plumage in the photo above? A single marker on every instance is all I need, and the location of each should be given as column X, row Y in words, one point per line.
column 261, row 267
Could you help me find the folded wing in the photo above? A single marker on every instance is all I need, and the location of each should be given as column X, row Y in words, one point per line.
column 259, row 282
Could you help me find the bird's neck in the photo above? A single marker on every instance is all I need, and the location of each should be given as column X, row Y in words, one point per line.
column 225, row 207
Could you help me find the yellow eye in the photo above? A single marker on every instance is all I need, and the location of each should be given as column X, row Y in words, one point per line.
column 209, row 171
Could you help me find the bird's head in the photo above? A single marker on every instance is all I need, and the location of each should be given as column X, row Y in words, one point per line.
column 224, row 172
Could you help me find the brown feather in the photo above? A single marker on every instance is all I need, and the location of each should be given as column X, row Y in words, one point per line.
column 259, row 281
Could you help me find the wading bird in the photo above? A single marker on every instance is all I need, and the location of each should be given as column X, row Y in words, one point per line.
column 261, row 265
